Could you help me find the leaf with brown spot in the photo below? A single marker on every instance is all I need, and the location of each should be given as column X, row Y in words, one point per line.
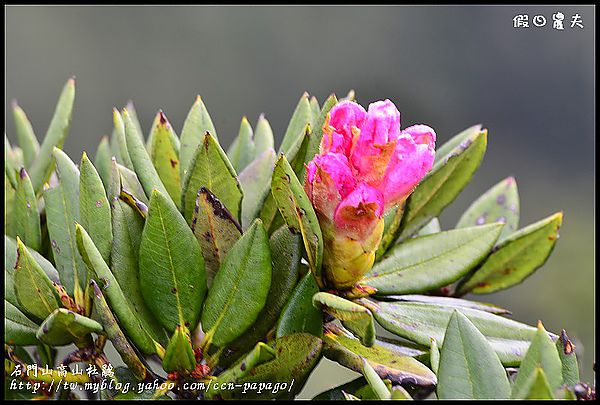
column 164, row 153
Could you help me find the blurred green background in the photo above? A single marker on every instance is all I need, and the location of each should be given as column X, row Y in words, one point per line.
column 449, row 67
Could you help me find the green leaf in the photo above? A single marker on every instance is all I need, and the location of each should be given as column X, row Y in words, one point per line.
column 357, row 387
column 125, row 179
column 140, row 333
column 354, row 317
column 114, row 333
column 443, row 184
column 102, row 161
column 391, row 222
column 179, row 355
column 255, row 181
column 434, row 356
column 9, row 207
column 296, row 129
column 63, row 327
column 55, row 136
column 298, row 212
column 424, row 263
column 257, row 356
column 10, row 262
column 142, row 163
column 27, row 216
column 537, row 387
column 541, row 353
column 469, row 368
column 450, row 302
column 516, row 258
column 430, row 228
column 215, row 229
column 27, row 140
column 285, row 261
column 444, row 152
column 211, row 169
column 34, row 290
column 296, row 356
column 18, row 329
column 263, row 136
column 196, row 125
column 299, row 314
column 239, row 290
column 314, row 107
column 124, row 262
column 377, row 385
column 62, row 212
column 387, row 359
column 568, row 359
column 399, row 393
column 419, row 322
column 119, row 139
column 164, row 153
column 242, row 150
column 94, row 210
column 172, row 275
column 499, row 204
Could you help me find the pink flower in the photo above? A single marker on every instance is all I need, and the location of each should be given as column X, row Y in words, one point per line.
column 366, row 165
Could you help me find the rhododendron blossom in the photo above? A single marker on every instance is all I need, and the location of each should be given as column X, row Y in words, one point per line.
column 366, row 165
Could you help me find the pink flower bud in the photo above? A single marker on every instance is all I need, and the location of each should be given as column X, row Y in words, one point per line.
column 366, row 165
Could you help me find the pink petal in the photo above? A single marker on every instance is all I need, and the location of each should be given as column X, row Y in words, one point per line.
column 343, row 121
column 359, row 212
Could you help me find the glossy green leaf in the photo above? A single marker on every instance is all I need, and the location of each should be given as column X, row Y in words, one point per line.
column 27, row 216
column 119, row 140
column 211, row 169
column 164, row 153
column 391, row 222
column 172, row 275
column 469, row 368
column 568, row 359
column 114, row 333
column 94, row 210
column 130, row 107
column 128, row 226
column 18, row 329
column 25, row 135
column 430, row 228
column 428, row 262
column 387, row 359
column 447, row 149
column 63, row 327
column 216, row 231
column 358, row 387
column 537, row 386
column 34, row 290
column 62, row 212
column 9, row 207
column 379, row 388
column 140, row 333
column 255, row 181
column 126, row 180
column 314, row 107
column 434, row 356
column 419, row 322
column 516, row 258
column 296, row 129
column 240, row 288
column 296, row 356
column 102, row 161
column 179, row 355
column 242, row 150
column 450, row 302
column 299, row 314
column 286, row 250
column 55, row 136
column 195, row 127
column 257, row 356
column 298, row 212
column 541, row 353
column 142, row 163
column 443, row 184
column 263, row 136
column 354, row 317
column 499, row 204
